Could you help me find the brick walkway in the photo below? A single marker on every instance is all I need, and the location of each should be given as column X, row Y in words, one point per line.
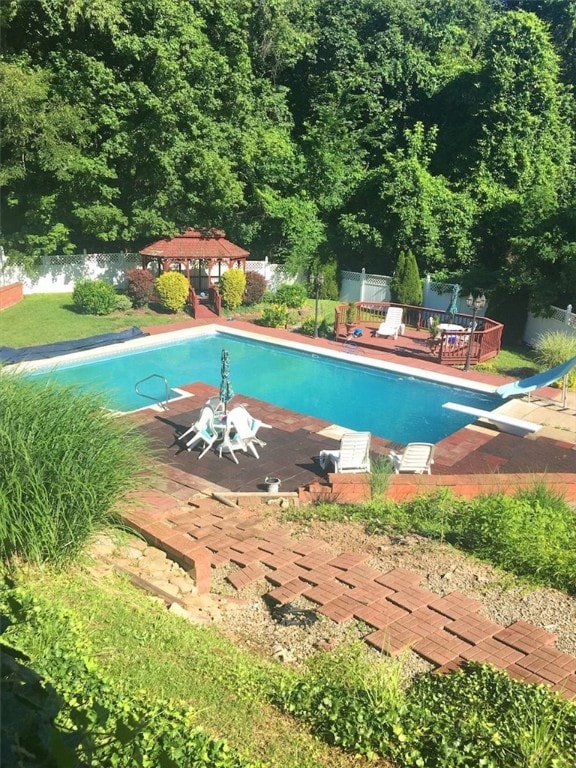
column 401, row 614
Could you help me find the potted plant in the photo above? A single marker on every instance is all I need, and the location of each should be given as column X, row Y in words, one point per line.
column 350, row 317
column 434, row 329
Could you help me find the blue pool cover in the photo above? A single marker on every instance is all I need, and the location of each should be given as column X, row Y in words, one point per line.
column 10, row 355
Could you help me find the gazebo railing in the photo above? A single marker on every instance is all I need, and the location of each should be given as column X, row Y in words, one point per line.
column 215, row 299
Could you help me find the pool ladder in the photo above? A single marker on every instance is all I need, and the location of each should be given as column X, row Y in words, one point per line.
column 161, row 403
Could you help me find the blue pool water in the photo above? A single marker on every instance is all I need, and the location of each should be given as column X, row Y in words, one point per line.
column 398, row 407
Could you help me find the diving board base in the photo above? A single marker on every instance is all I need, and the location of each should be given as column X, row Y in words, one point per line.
column 506, row 423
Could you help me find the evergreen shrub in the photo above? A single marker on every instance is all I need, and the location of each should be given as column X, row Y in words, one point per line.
column 123, row 303
column 406, row 286
column 94, row 297
column 172, row 289
column 232, row 287
column 324, row 327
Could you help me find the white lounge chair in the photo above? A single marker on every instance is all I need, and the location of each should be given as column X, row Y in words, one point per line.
column 203, row 430
column 392, row 325
column 241, row 433
column 417, row 458
column 353, row 455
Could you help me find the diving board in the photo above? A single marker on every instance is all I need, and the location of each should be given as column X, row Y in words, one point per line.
column 544, row 379
column 507, row 423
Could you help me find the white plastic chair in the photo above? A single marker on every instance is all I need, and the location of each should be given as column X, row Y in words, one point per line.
column 392, row 325
column 417, row 458
column 353, row 455
column 241, row 433
column 203, row 431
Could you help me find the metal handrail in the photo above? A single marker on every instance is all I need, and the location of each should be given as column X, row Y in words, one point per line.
column 161, row 403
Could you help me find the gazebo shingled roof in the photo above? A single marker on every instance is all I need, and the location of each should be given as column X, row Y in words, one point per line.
column 205, row 244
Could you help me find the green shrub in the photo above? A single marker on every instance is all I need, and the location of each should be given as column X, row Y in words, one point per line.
column 65, row 465
column 477, row 716
column 94, row 297
column 140, row 287
column 406, row 286
column 553, row 348
column 255, row 288
column 232, row 287
column 324, row 327
column 172, row 289
column 123, row 303
column 292, row 295
column 275, row 316
column 329, row 288
column 531, row 534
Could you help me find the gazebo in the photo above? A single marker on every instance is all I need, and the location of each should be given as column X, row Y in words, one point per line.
column 202, row 255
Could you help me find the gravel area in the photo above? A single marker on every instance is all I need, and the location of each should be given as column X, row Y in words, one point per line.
column 246, row 617
column 444, row 570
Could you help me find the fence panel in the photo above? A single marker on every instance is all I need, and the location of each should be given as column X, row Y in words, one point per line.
column 562, row 320
column 60, row 273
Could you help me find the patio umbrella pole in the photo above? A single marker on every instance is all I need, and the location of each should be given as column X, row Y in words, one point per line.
column 226, row 392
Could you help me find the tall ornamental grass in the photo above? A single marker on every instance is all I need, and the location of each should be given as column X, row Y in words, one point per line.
column 64, row 465
column 553, row 348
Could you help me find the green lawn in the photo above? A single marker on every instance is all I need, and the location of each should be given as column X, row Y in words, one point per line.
column 45, row 318
column 140, row 643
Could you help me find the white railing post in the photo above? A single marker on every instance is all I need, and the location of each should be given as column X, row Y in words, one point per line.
column 568, row 314
column 362, row 283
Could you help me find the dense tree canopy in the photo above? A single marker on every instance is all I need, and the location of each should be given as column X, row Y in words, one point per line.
column 310, row 130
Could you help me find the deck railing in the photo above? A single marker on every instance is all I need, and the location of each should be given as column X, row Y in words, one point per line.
column 449, row 347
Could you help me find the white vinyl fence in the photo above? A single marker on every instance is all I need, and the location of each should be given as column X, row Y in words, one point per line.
column 59, row 274
column 563, row 320
column 359, row 286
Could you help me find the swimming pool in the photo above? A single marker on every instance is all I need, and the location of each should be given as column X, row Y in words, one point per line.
column 359, row 395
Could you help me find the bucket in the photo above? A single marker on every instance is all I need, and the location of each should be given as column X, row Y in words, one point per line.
column 272, row 484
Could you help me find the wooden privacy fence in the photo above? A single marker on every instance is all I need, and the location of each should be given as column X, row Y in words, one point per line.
column 449, row 347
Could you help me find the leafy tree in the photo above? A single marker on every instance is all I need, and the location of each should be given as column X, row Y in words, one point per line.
column 422, row 211
column 523, row 165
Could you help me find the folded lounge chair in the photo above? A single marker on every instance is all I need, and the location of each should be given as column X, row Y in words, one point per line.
column 417, row 458
column 392, row 325
column 353, row 456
